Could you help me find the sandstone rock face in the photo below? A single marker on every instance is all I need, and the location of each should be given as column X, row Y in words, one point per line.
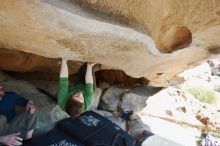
column 12, row 60
column 119, row 77
column 174, row 38
column 162, row 19
column 55, row 28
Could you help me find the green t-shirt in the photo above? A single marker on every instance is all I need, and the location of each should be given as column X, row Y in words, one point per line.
column 65, row 93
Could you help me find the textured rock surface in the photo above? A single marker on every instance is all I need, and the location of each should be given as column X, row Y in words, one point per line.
column 111, row 98
column 184, row 109
column 55, row 28
column 132, row 102
column 119, row 77
column 177, row 105
column 168, row 20
column 12, row 60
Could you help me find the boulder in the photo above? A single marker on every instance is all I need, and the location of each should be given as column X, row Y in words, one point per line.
column 132, row 102
column 111, row 98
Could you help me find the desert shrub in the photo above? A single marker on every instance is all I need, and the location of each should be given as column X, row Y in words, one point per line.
column 202, row 94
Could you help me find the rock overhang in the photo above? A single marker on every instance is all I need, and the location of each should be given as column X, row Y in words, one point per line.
column 52, row 31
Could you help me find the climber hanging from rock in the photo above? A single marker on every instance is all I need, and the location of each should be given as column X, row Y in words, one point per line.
column 78, row 99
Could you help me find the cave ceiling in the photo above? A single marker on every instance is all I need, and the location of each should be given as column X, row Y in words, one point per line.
column 144, row 38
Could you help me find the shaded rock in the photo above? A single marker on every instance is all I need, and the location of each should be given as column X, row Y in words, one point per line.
column 103, row 85
column 50, row 87
column 27, row 62
column 215, row 66
column 136, row 127
column 111, row 98
column 2, row 76
column 119, row 77
column 5, row 77
column 144, row 90
column 96, row 100
column 132, row 102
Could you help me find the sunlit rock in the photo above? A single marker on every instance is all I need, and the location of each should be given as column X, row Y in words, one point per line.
column 123, row 35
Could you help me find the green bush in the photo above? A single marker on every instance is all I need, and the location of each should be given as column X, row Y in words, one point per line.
column 202, row 94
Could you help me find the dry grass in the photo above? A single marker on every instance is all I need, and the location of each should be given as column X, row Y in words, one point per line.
column 203, row 94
